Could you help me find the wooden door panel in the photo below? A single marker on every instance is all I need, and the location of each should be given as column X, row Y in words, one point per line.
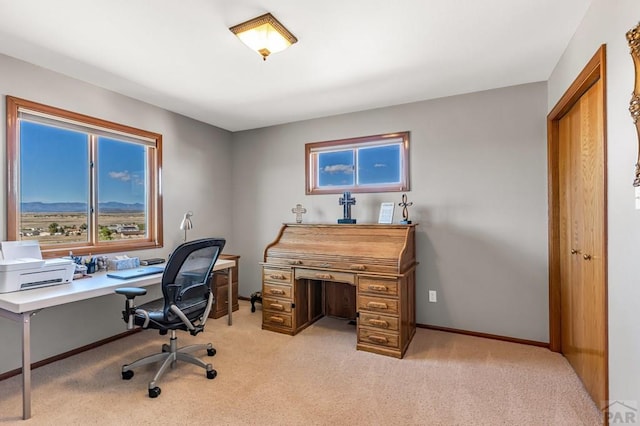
column 582, row 224
column 572, row 326
column 593, row 193
column 566, row 239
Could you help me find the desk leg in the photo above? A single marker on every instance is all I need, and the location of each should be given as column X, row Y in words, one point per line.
column 230, row 295
column 26, row 365
column 25, row 319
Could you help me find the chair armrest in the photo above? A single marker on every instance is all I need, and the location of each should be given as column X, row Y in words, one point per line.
column 131, row 292
column 129, row 308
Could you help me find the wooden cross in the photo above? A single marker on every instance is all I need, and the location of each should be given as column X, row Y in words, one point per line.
column 346, row 202
column 299, row 211
column 405, row 211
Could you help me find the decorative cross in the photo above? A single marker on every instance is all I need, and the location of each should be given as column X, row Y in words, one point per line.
column 405, row 211
column 299, row 211
column 346, row 202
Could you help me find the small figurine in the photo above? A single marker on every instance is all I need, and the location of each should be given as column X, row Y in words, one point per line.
column 405, row 211
column 299, row 211
column 346, row 202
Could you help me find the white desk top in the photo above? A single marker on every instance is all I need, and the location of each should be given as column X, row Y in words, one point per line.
column 98, row 285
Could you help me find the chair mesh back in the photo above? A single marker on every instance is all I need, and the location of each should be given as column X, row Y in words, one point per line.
column 188, row 269
column 196, row 268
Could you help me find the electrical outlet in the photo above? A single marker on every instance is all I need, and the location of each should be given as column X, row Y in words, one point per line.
column 433, row 296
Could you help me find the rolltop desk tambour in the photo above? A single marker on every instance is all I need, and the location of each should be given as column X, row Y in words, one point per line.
column 376, row 262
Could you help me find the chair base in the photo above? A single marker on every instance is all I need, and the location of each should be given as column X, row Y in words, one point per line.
column 168, row 357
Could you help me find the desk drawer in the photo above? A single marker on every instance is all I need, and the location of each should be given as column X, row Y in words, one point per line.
column 275, row 290
column 315, row 274
column 379, row 321
column 276, row 275
column 377, row 304
column 276, row 305
column 378, row 338
column 378, row 286
column 280, row 320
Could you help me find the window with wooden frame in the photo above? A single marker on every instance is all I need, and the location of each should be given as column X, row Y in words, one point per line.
column 377, row 163
column 79, row 183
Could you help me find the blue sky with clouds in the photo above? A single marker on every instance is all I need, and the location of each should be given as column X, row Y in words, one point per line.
column 53, row 167
column 377, row 164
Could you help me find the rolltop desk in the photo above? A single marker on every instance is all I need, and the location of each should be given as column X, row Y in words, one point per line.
column 363, row 272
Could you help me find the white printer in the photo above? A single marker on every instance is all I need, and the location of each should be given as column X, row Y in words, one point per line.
column 22, row 267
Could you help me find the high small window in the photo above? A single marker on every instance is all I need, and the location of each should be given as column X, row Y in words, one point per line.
column 81, row 184
column 377, row 163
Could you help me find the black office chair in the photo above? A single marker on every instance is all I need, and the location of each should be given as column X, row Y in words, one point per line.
column 185, row 306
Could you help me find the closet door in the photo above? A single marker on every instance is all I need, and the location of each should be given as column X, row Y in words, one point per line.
column 582, row 246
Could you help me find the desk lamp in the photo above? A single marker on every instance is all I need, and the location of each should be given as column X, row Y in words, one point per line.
column 186, row 224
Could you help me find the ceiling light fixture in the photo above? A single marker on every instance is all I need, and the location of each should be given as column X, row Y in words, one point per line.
column 264, row 34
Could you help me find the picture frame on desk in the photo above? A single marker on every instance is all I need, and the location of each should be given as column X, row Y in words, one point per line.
column 386, row 213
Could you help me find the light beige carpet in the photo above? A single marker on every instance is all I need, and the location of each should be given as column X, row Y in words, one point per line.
column 316, row 377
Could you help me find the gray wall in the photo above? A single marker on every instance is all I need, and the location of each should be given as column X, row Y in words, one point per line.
column 606, row 22
column 196, row 174
column 478, row 184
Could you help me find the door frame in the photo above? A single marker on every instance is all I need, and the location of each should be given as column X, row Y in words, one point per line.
column 594, row 70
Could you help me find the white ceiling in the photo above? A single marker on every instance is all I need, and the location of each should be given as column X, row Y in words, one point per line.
column 352, row 55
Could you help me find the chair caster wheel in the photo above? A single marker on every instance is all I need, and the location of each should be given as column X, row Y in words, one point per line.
column 211, row 374
column 211, row 352
column 154, row 392
column 253, row 309
column 165, row 348
column 127, row 375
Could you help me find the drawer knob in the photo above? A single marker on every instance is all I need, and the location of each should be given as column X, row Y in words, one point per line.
column 277, row 277
column 378, row 339
column 276, row 291
column 324, row 276
column 295, row 262
column 379, row 323
column 276, row 306
column 377, row 305
column 358, row 267
column 277, row 320
column 375, row 287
